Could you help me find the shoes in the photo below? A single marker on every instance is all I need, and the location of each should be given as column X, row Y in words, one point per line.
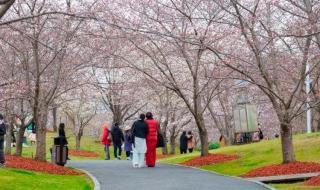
column 107, row 159
column 119, row 158
column 128, row 158
column 2, row 165
column 135, row 166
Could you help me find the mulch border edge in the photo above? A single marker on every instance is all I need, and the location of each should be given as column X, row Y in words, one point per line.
column 236, row 177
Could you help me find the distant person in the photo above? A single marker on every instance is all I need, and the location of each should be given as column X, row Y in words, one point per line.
column 183, row 143
column 190, row 142
column 2, row 133
column 139, row 133
column 128, row 142
column 106, row 140
column 62, row 135
column 222, row 141
column 117, row 140
column 256, row 137
column 152, row 137
column 260, row 134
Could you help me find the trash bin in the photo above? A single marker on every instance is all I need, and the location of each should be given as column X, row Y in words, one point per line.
column 59, row 151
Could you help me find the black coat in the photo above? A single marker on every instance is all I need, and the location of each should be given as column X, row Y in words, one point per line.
column 183, row 142
column 140, row 129
column 117, row 135
column 2, row 129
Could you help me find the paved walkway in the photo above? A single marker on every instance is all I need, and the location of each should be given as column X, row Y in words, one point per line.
column 119, row 175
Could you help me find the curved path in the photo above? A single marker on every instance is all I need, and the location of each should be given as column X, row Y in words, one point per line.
column 119, row 175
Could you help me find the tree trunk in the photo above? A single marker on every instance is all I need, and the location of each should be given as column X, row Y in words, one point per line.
column 78, row 140
column 165, row 148
column 203, row 135
column 8, row 138
column 164, row 133
column 228, row 134
column 316, row 119
column 41, row 131
column 54, row 115
column 172, row 144
column 287, row 143
column 19, row 139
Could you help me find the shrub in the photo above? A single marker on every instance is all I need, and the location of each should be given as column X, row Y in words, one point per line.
column 214, row 145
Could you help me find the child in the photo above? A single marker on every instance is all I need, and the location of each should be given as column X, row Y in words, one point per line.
column 128, row 142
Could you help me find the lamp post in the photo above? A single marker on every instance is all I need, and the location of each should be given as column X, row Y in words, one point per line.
column 308, row 89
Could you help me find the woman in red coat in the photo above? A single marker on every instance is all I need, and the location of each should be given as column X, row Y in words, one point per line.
column 106, row 141
column 151, row 140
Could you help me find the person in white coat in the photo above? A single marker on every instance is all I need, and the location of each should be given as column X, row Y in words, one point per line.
column 139, row 133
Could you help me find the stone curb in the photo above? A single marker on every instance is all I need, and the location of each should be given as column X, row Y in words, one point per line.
column 236, row 177
column 96, row 183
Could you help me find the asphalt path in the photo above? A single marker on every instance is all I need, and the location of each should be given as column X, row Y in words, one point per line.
column 120, row 175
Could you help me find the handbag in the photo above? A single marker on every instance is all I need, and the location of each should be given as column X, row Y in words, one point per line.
column 160, row 141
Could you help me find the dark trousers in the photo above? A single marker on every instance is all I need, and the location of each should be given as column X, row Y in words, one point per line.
column 183, row 151
column 106, row 149
column 190, row 150
column 116, row 149
column 128, row 153
column 2, row 159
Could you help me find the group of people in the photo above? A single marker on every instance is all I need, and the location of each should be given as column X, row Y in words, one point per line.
column 186, row 142
column 140, row 140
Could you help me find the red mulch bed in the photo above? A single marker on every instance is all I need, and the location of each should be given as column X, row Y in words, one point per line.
column 284, row 169
column 210, row 159
column 83, row 153
column 315, row 181
column 34, row 165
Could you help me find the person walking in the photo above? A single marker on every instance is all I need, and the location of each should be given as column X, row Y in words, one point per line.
column 260, row 133
column 106, row 140
column 152, row 137
column 117, row 140
column 183, row 143
column 190, row 141
column 128, row 142
column 62, row 135
column 2, row 133
column 139, row 133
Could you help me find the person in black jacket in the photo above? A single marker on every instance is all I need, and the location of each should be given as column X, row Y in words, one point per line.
column 139, row 132
column 117, row 140
column 62, row 135
column 183, row 143
column 2, row 133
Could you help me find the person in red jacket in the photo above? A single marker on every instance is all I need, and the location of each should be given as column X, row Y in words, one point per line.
column 106, row 140
column 151, row 140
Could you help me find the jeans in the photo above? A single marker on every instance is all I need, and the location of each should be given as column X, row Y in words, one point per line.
column 107, row 150
column 116, row 148
column 2, row 159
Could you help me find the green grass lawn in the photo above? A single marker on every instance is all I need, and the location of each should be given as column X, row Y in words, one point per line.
column 25, row 180
column 293, row 186
column 87, row 143
column 13, row 179
column 255, row 155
